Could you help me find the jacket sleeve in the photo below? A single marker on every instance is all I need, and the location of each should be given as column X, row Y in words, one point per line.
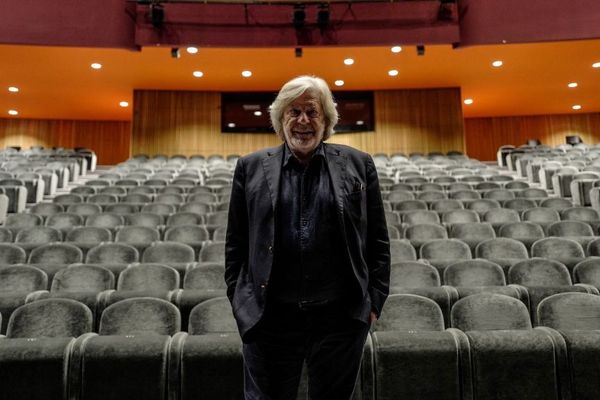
column 236, row 242
column 378, row 244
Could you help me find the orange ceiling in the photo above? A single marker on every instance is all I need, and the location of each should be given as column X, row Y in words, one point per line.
column 58, row 83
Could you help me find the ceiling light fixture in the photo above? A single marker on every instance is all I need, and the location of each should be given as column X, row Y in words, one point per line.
column 596, row 65
column 339, row 82
column 198, row 74
column 124, row 104
column 396, row 49
column 468, row 101
column 96, row 65
column 497, row 63
column 393, row 72
column 246, row 74
column 349, row 61
column 576, row 107
column 258, row 113
column 231, row 125
column 13, row 89
column 192, row 50
column 572, row 84
column 13, row 112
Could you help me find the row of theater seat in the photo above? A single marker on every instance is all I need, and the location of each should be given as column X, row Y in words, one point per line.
column 491, row 351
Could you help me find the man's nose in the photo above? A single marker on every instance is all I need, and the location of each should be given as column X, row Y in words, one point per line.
column 303, row 118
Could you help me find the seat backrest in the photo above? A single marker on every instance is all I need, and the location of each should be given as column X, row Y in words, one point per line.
column 588, row 271
column 6, row 236
column 501, row 248
column 421, row 217
column 460, row 216
column 11, row 254
column 423, row 232
column 38, row 234
column 168, row 252
column 214, row 251
column 558, row 248
column 570, row 311
column 412, row 274
column 501, row 215
column 68, row 198
column 197, row 207
column 481, row 206
column 409, row 312
column 46, row 209
column 472, row 231
column 584, row 214
column 570, row 228
column 50, row 318
column 140, row 316
column 401, row 250
column 145, row 219
column 487, row 311
column 186, row 234
column 400, row 195
column 137, row 234
column 112, row 253
column 521, row 230
column 22, row 221
column 89, row 235
column 185, row 218
column 83, row 278
column 56, row 253
column 205, row 276
column 22, row 279
column 217, row 218
column 539, row 272
column 474, row 273
column 449, row 249
column 499, row 194
column 557, row 203
column 410, row 205
column 520, row 204
column 64, row 220
column 212, row 316
column 159, row 208
column 540, row 214
column 105, row 220
column 148, row 277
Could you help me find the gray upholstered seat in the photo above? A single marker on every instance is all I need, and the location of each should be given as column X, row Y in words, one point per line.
column 459, row 216
column 539, row 272
column 56, row 254
column 203, row 197
column 138, row 236
column 503, row 251
column 148, row 277
column 145, row 219
column 420, row 217
column 86, row 237
column 474, row 273
column 192, row 235
column 442, row 252
column 46, row 209
column 18, row 222
column 421, row 233
column 169, row 253
column 412, row 274
column 217, row 218
column 409, row 312
column 64, row 221
column 6, row 236
column 31, row 238
column 82, row 278
column 11, row 254
column 137, row 198
column 159, row 208
column 205, row 276
column 169, row 198
column 442, row 206
column 140, row 316
column 106, row 220
column 409, row 205
column 565, row 250
column 500, row 216
column 540, row 215
column 519, row 204
column 68, row 198
column 557, row 203
column 481, row 206
column 197, row 207
column 185, row 218
column 401, row 250
column 212, row 252
column 16, row 282
column 400, row 195
column 212, row 316
column 583, row 214
column 499, row 194
column 490, row 311
column 472, row 233
column 112, row 253
column 570, row 311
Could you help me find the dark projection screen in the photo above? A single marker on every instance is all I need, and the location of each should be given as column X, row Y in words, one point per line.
column 249, row 112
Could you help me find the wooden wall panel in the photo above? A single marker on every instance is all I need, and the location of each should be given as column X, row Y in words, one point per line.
column 176, row 122
column 111, row 140
column 483, row 136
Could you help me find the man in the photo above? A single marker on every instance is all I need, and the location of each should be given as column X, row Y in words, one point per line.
column 307, row 254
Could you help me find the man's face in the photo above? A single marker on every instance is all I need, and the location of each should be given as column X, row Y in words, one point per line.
column 303, row 125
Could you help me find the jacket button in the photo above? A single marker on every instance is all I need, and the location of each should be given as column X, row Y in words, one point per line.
column 263, row 285
column 271, row 249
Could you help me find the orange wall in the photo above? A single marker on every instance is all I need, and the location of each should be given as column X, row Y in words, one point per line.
column 483, row 136
column 111, row 140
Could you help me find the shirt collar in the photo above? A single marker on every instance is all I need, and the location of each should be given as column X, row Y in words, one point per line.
column 287, row 153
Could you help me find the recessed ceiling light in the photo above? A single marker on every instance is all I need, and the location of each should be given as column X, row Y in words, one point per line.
column 13, row 89
column 393, row 72
column 349, row 61
column 124, row 104
column 468, row 101
column 396, row 49
column 198, row 74
column 258, row 113
column 13, row 112
column 576, row 107
column 96, row 65
column 572, row 84
column 339, row 82
column 231, row 125
column 497, row 63
column 596, row 65
column 192, row 50
column 246, row 74
column 360, row 122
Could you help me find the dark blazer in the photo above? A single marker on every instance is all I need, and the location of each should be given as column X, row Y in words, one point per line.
column 251, row 230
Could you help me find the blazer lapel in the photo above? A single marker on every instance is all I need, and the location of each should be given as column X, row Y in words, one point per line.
column 272, row 169
column 337, row 169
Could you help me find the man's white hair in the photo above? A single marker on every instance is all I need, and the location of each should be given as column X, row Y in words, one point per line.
column 296, row 88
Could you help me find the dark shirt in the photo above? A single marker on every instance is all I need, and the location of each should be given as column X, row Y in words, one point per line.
column 309, row 258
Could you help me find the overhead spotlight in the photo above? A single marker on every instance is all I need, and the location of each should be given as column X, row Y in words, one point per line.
column 157, row 14
column 175, row 52
column 420, row 50
column 298, row 52
column 299, row 16
column 323, row 16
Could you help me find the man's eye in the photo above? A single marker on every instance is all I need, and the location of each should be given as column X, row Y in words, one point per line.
column 312, row 114
column 294, row 112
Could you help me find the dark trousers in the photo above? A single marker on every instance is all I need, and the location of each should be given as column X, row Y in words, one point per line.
column 330, row 342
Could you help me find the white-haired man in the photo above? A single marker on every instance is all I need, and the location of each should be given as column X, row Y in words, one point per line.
column 307, row 254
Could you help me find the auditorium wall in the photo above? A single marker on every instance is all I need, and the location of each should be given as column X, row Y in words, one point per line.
column 187, row 122
column 483, row 136
column 111, row 140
